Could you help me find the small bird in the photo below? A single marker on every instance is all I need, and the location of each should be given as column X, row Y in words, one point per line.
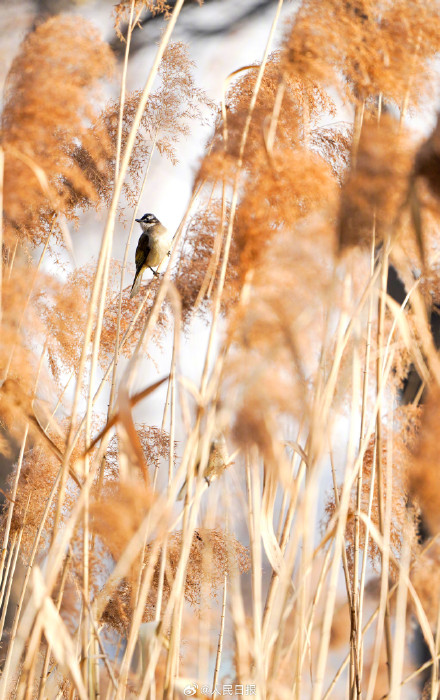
column 218, row 461
column 153, row 245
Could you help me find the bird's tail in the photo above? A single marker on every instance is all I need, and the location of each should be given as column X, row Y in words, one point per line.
column 136, row 283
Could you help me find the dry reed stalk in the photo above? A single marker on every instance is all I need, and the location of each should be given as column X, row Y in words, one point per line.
column 172, row 667
column 171, row 395
column 323, row 392
column 130, row 28
column 203, row 653
column 380, row 491
column 190, row 512
column 44, row 672
column 435, row 680
column 297, row 478
column 366, row 628
column 354, row 667
column 5, row 577
column 275, row 662
column 255, row 516
column 339, row 546
column 336, row 522
column 358, row 588
column 286, row 600
column 189, row 517
column 369, row 623
column 2, row 172
column 12, row 563
column 218, row 656
column 419, row 610
column 11, row 651
column 383, row 604
column 399, row 635
column 86, row 535
column 11, row 505
column 364, row 559
column 35, row 617
column 136, row 621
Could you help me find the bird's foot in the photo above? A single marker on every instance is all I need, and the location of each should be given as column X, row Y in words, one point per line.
column 156, row 274
column 169, row 253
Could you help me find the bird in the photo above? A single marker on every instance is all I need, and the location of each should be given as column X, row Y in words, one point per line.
column 218, row 461
column 153, row 245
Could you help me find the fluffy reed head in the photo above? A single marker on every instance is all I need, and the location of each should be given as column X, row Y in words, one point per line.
column 377, row 185
column 213, row 555
column 423, row 473
column 168, row 117
column 48, row 106
column 122, row 11
column 365, row 48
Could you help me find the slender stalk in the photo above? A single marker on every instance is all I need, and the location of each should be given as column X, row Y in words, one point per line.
column 122, row 92
column 12, row 502
column 8, row 590
column 399, row 635
column 2, row 172
column 254, row 514
column 357, row 586
column 12, row 259
column 218, row 657
column 11, row 549
column 46, row 662
column 15, row 548
column 379, row 438
column 172, row 394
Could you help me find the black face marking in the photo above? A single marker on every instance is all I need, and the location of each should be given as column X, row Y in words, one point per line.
column 148, row 219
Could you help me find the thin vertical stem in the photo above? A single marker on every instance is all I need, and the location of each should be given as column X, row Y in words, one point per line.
column 122, row 93
column 2, row 172
column 379, row 438
column 12, row 502
column 218, row 657
column 356, row 584
column 11, row 547
column 44, row 673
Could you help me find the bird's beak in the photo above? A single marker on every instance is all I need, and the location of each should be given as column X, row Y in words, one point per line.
column 138, row 220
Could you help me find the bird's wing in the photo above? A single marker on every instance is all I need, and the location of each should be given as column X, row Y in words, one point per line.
column 142, row 251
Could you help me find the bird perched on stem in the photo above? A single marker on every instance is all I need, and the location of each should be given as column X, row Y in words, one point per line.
column 218, row 461
column 153, row 245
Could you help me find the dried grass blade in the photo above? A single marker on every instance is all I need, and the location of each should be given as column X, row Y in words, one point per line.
column 132, row 402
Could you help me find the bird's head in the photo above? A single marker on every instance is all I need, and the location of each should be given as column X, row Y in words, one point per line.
column 147, row 221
